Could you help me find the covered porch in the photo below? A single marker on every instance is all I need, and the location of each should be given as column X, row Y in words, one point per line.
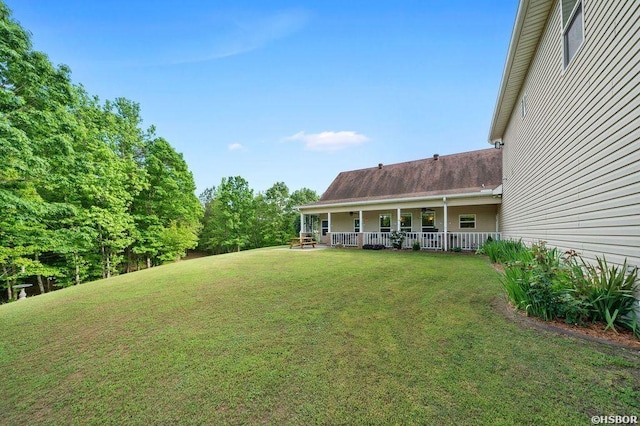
column 460, row 223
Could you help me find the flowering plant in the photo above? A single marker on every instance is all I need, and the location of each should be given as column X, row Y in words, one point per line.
column 397, row 238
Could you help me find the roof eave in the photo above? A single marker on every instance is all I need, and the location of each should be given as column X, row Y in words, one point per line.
column 517, row 57
column 485, row 193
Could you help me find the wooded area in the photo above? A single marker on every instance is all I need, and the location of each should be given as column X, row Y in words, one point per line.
column 86, row 192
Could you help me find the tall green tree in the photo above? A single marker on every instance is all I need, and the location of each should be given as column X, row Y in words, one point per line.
column 226, row 222
column 34, row 124
column 166, row 211
column 274, row 212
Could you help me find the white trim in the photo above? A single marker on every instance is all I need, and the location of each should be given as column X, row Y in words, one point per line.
column 446, row 219
column 394, row 200
column 301, row 224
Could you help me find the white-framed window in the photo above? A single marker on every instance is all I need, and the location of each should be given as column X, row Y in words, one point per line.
column 406, row 219
column 572, row 28
column 356, row 225
column 325, row 227
column 428, row 219
column 467, row 221
column 385, row 222
column 523, row 105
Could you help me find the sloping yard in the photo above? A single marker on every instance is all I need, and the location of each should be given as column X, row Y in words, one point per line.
column 282, row 336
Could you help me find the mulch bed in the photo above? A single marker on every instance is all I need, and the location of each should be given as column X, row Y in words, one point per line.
column 592, row 332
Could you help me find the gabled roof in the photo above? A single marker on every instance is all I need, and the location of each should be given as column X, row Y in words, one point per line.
column 468, row 172
column 531, row 20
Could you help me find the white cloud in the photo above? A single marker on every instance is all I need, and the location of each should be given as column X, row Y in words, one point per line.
column 236, row 147
column 329, row 141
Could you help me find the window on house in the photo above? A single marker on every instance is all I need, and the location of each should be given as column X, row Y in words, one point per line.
column 428, row 220
column 523, row 105
column 467, row 221
column 385, row 223
column 572, row 28
column 325, row 227
column 356, row 225
column 405, row 222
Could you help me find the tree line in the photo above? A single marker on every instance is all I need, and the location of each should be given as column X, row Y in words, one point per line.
column 235, row 218
column 86, row 192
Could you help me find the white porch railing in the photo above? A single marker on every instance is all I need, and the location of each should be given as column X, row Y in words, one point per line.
column 376, row 238
column 345, row 239
column 470, row 240
column 428, row 240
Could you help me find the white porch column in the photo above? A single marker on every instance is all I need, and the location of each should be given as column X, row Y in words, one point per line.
column 446, row 221
column 398, row 221
column 301, row 224
column 361, row 221
column 329, row 222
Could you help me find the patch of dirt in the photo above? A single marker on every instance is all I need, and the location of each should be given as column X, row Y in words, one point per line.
column 593, row 332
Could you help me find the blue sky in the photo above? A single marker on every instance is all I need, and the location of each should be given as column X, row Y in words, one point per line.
column 291, row 91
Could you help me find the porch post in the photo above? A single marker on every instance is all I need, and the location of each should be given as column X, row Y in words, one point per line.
column 301, row 224
column 398, row 221
column 329, row 222
column 446, row 220
column 361, row 233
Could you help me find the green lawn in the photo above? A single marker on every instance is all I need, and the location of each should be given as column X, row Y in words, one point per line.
column 311, row 336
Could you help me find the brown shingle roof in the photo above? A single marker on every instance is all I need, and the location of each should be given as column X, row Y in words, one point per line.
column 449, row 174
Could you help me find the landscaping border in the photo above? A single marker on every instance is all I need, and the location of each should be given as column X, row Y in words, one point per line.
column 501, row 305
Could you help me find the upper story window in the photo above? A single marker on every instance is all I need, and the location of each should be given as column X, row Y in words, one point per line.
column 523, row 105
column 572, row 28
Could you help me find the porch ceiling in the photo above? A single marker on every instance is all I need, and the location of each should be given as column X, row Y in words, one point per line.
column 478, row 197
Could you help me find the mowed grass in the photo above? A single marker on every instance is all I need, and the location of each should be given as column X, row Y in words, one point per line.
column 282, row 336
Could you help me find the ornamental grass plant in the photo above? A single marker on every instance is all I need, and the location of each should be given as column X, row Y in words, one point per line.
column 548, row 284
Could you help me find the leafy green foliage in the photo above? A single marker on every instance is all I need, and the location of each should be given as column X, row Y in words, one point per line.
column 549, row 285
column 84, row 190
column 504, row 251
column 611, row 294
column 236, row 219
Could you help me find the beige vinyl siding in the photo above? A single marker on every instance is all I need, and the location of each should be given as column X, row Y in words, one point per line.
column 485, row 218
column 572, row 165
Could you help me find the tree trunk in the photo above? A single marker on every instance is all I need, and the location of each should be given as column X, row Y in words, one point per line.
column 104, row 261
column 129, row 260
column 148, row 262
column 6, row 273
column 77, row 262
column 39, row 277
column 108, row 265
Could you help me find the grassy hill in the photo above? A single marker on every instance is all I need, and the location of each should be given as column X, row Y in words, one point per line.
column 282, row 336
